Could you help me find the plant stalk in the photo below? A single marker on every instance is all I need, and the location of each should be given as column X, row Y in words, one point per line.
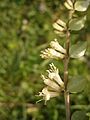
column 66, row 62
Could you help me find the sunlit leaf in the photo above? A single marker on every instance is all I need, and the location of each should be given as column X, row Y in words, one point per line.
column 79, row 115
column 81, row 5
column 76, row 84
column 77, row 23
column 78, row 50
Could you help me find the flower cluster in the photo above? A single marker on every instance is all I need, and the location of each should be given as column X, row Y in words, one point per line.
column 53, row 82
column 56, row 51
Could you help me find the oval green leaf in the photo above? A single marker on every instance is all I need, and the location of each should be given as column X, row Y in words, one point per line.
column 76, row 84
column 78, row 50
column 79, row 115
column 81, row 5
column 77, row 23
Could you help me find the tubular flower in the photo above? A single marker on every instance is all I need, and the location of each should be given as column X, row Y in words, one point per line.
column 51, row 53
column 53, row 73
column 48, row 94
column 53, row 82
column 55, row 45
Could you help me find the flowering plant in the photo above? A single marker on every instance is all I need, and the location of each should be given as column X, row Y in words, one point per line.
column 54, row 83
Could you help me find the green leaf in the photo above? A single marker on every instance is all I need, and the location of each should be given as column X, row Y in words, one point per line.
column 76, row 84
column 81, row 5
column 78, row 50
column 77, row 23
column 79, row 115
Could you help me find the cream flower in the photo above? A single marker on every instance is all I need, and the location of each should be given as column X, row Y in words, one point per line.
column 51, row 53
column 48, row 94
column 53, row 73
column 51, row 84
column 55, row 45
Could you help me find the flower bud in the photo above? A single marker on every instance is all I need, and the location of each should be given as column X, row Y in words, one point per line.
column 70, row 2
column 61, row 23
column 58, row 27
column 69, row 5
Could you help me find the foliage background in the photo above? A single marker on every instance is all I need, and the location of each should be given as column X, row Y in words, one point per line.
column 25, row 30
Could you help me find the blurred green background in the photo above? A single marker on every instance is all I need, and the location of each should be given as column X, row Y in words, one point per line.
column 25, row 30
